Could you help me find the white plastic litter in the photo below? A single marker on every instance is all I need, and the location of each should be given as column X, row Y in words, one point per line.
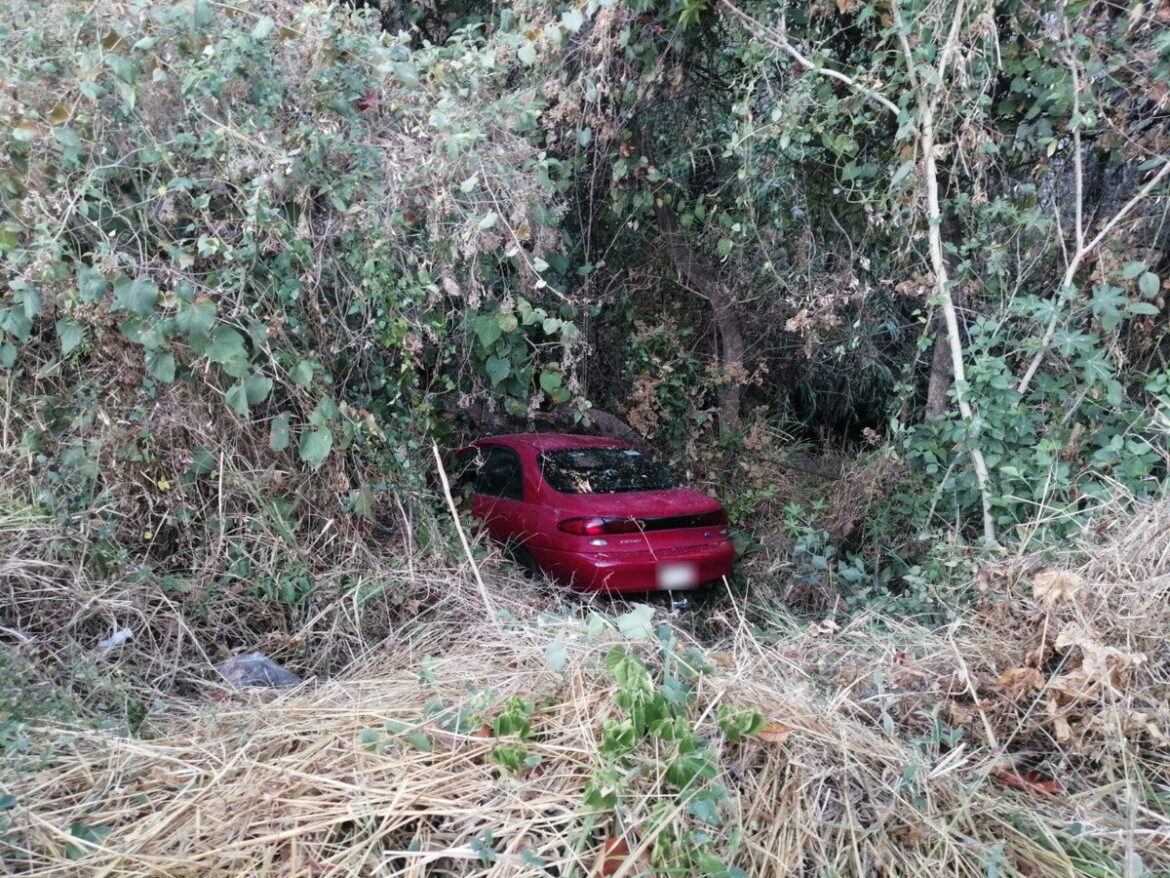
column 116, row 639
column 255, row 669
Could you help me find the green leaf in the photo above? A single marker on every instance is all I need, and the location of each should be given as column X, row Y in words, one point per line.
column 237, row 398
column 406, row 73
column 314, row 446
column 202, row 14
column 497, row 369
column 325, row 413
column 68, row 335
column 83, row 832
column 122, row 68
column 487, row 328
column 363, row 502
column 420, row 741
column 572, row 20
column 1132, row 270
column 279, row 432
column 32, row 301
column 161, row 366
column 91, row 286
column 137, row 295
column 68, row 139
column 227, row 347
column 1149, row 285
column 508, row 323
column 195, row 320
column 1107, row 303
column 202, row 462
column 256, row 388
column 263, row 28
column 690, row 769
column 302, row 374
column 488, row 221
column 550, row 381
column 527, row 54
column 724, row 246
column 555, row 654
column 902, row 173
column 1142, row 309
column 635, row 625
column 7, row 355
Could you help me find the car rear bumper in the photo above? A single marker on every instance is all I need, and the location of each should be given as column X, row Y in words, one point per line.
column 678, row 569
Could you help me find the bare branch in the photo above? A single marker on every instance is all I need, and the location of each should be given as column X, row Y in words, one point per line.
column 1066, row 289
column 778, row 40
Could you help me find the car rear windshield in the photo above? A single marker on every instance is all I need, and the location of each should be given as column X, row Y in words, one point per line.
column 603, row 471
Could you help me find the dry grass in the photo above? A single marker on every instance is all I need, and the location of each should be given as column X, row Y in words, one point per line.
column 1046, row 779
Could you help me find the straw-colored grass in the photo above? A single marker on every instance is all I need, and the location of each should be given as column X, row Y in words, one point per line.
column 1058, row 686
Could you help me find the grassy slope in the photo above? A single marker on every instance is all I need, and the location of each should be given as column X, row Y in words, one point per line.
column 1025, row 740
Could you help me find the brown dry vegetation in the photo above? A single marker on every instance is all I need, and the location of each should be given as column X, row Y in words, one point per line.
column 1058, row 685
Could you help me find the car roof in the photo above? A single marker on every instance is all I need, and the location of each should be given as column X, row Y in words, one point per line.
column 551, row 441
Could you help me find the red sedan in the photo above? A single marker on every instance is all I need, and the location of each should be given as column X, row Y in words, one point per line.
column 595, row 514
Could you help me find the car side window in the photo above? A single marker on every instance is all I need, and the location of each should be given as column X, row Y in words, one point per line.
column 501, row 474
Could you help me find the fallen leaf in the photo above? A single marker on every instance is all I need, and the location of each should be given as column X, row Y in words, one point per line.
column 1053, row 587
column 1019, row 681
column 722, row 659
column 774, row 733
column 1030, row 782
column 613, row 855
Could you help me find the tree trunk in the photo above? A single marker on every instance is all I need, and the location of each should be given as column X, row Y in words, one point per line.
column 942, row 372
column 701, row 280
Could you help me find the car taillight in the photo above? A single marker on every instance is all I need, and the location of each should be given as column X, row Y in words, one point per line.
column 583, row 526
column 594, row 526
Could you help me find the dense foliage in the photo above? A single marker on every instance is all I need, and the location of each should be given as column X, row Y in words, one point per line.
column 889, row 276
column 257, row 260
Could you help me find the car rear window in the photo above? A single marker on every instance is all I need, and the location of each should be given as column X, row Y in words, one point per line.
column 603, row 471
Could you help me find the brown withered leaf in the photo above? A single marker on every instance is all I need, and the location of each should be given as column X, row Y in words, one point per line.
column 774, row 733
column 1030, row 782
column 614, row 853
column 1053, row 588
column 1019, row 681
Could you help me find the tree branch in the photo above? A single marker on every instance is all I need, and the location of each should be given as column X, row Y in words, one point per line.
column 778, row 40
column 1066, row 284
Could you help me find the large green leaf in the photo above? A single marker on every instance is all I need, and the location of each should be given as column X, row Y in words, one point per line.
column 68, row 335
column 487, row 328
column 227, row 349
column 161, row 365
column 497, row 369
column 91, row 285
column 137, row 295
column 196, row 319
column 279, row 433
column 257, row 388
column 237, row 398
column 314, row 446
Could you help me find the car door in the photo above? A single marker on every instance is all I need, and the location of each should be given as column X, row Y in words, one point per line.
column 498, row 500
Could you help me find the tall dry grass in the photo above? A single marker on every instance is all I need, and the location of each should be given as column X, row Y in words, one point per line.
column 1028, row 739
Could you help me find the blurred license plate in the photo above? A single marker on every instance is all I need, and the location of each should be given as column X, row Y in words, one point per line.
column 677, row 575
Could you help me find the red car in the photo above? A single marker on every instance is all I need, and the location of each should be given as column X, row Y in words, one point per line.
column 595, row 514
